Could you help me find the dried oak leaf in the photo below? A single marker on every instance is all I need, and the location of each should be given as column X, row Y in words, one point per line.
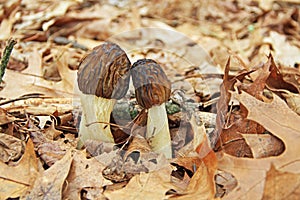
column 17, row 179
column 145, row 160
column 264, row 145
column 281, row 121
column 201, row 184
column 85, row 175
column 5, row 118
column 201, row 167
column 281, row 185
column 276, row 80
column 225, row 183
column 223, row 134
column 11, row 148
column 231, row 139
column 48, row 150
column 49, row 184
column 152, row 185
column 138, row 158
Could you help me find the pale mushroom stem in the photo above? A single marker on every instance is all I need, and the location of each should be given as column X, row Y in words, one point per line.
column 95, row 109
column 158, row 130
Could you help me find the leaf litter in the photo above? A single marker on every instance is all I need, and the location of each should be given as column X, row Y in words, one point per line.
column 254, row 123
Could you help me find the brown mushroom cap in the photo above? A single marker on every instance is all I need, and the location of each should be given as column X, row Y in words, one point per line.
column 105, row 72
column 152, row 86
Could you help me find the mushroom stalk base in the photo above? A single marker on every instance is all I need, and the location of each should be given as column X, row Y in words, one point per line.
column 95, row 109
column 158, row 132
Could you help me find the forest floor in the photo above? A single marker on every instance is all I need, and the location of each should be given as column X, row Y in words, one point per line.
column 233, row 112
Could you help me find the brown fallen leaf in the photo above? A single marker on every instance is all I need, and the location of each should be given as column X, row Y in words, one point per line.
column 152, row 185
column 29, row 84
column 250, row 175
column 49, row 184
column 138, row 144
column 140, row 158
column 281, row 185
column 5, row 118
column 85, row 175
column 231, row 139
column 51, row 132
column 16, row 180
column 276, row 80
column 225, row 183
column 226, row 133
column 281, row 121
column 11, row 148
column 201, row 167
column 293, row 100
column 264, row 145
column 201, row 185
column 259, row 77
column 194, row 136
column 50, row 152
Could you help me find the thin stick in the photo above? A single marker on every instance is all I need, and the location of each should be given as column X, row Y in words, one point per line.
column 111, row 124
column 211, row 102
column 5, row 57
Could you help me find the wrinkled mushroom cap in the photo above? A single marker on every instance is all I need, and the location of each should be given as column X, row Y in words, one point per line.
column 152, row 86
column 105, row 72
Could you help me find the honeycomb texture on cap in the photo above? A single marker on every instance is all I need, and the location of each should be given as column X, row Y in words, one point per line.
column 152, row 86
column 105, row 72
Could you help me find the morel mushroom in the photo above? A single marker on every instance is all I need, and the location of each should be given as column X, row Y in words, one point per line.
column 103, row 78
column 152, row 90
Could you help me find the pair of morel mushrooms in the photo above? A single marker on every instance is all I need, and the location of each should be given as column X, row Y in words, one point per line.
column 103, row 78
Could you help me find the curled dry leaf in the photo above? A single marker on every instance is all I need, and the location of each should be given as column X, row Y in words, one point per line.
column 231, row 139
column 85, row 175
column 276, row 79
column 135, row 161
column 17, row 179
column 225, row 183
column 179, row 137
column 145, row 160
column 11, row 148
column 142, row 186
column 51, row 132
column 5, row 118
column 50, row 152
column 281, row 121
column 201, row 185
column 201, row 168
column 49, row 184
column 224, row 132
column 264, row 145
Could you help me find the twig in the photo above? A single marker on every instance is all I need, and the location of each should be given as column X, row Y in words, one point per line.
column 5, row 57
column 107, row 123
column 28, row 96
